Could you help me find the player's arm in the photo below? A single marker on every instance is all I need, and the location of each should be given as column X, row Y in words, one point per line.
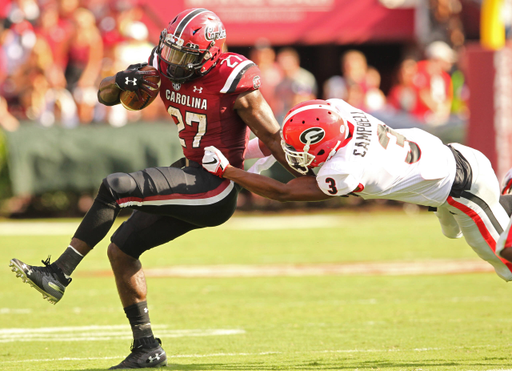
column 303, row 188
column 254, row 110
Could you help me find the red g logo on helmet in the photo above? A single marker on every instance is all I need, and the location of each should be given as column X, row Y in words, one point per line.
column 312, row 135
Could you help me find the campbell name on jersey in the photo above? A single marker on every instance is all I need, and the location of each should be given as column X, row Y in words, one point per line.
column 203, row 110
column 407, row 165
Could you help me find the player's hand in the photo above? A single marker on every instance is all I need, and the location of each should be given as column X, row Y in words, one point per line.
column 214, row 161
column 132, row 78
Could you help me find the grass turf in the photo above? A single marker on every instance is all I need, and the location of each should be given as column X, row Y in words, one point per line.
column 437, row 322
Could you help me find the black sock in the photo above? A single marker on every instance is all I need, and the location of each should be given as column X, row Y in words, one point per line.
column 69, row 260
column 138, row 315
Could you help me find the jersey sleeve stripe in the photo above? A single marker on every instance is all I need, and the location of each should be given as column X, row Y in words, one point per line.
column 485, row 231
column 235, row 76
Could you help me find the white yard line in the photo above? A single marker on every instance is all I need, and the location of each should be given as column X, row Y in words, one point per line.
column 15, row 311
column 99, row 333
column 37, row 228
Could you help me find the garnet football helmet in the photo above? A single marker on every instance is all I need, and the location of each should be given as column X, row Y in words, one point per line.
column 312, row 133
column 190, row 45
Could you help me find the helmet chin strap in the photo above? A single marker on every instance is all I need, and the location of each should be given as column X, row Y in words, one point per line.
column 306, row 147
column 333, row 151
column 305, row 151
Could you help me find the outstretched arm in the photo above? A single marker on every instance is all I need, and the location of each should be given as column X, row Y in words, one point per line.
column 304, row 188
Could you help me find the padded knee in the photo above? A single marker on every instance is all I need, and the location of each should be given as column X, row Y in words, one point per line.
column 120, row 183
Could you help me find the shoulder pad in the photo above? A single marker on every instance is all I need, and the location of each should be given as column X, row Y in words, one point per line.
column 241, row 73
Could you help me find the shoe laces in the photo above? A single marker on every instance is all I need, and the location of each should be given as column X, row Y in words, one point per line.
column 47, row 269
column 54, row 271
column 47, row 262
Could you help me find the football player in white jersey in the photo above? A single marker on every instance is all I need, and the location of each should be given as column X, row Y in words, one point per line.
column 358, row 154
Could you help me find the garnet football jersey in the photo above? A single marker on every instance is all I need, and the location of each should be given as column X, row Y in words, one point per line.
column 203, row 108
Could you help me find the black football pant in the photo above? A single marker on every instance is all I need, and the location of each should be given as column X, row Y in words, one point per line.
column 167, row 201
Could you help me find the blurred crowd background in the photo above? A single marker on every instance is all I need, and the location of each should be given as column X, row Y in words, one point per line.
column 54, row 53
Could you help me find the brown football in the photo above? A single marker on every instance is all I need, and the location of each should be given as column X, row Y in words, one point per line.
column 130, row 99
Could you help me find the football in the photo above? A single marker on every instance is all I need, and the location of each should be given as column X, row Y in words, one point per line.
column 130, row 99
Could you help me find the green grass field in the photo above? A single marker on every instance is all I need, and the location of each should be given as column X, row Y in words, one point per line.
column 276, row 322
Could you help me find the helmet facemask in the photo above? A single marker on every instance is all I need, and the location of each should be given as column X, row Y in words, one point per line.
column 183, row 62
column 297, row 160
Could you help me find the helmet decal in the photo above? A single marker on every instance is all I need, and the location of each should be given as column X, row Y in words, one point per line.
column 214, row 33
column 256, row 82
column 186, row 20
column 312, row 135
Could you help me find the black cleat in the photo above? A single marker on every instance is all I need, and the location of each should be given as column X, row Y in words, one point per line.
column 48, row 280
column 144, row 357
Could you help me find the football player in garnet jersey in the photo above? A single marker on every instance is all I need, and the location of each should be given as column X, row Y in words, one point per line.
column 214, row 100
column 360, row 155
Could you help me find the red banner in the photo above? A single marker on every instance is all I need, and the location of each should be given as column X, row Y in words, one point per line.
column 490, row 124
column 286, row 22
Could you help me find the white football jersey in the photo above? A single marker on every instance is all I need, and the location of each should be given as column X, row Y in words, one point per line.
column 407, row 165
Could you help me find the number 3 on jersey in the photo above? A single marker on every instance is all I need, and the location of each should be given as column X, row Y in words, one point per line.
column 409, row 150
column 191, row 118
column 332, row 186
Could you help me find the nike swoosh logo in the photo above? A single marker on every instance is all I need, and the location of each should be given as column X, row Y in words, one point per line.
column 55, row 287
column 211, row 162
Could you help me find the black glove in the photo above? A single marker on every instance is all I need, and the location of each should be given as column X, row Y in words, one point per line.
column 132, row 78
column 137, row 66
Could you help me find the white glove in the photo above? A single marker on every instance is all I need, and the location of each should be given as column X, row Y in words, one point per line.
column 214, row 161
